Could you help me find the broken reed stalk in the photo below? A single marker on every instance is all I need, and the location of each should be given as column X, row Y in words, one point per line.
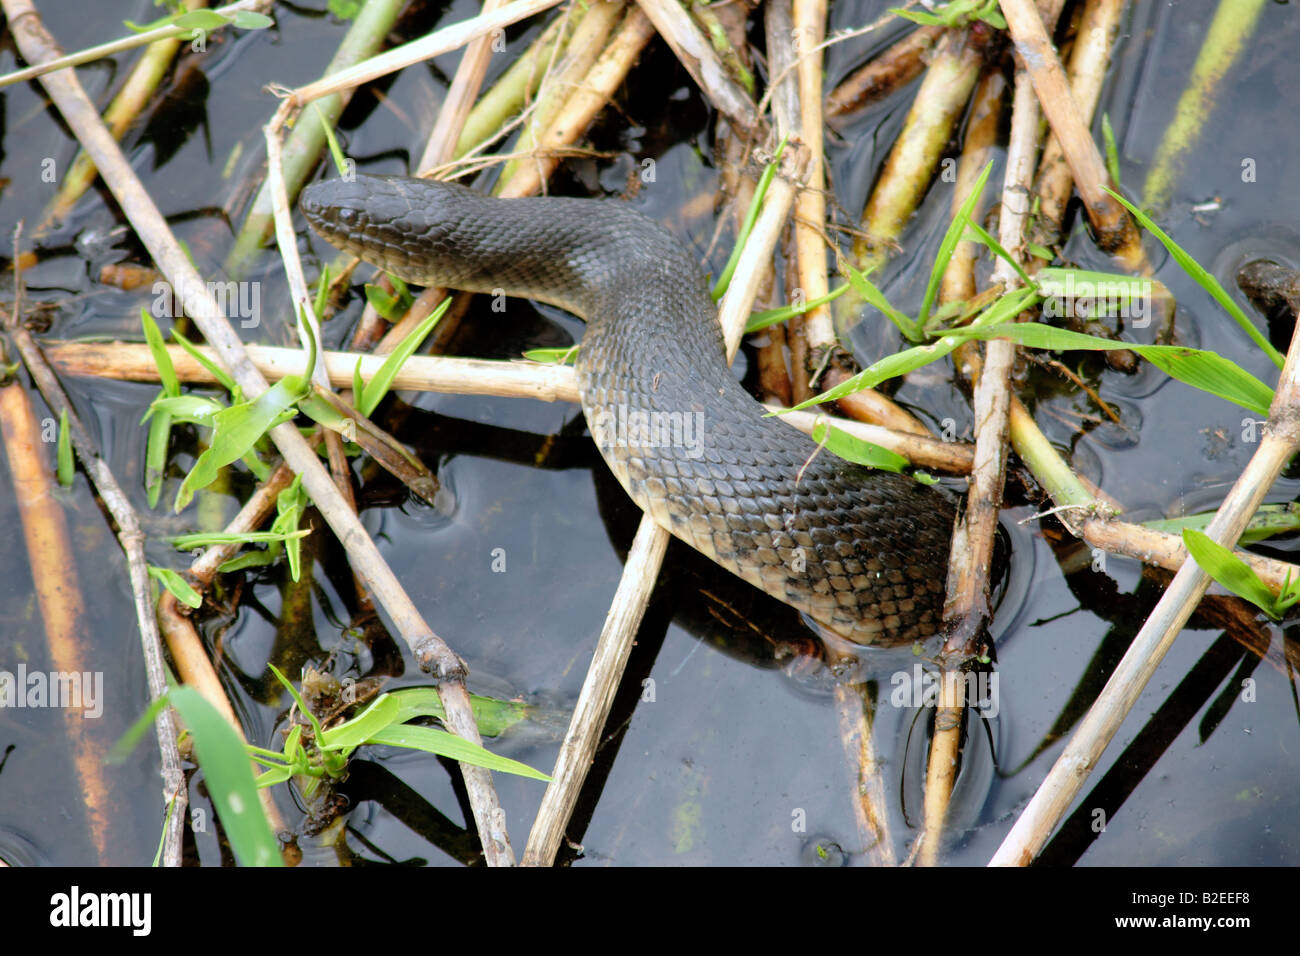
column 1089, row 61
column 461, row 94
column 894, row 68
column 701, row 61
column 1114, row 228
column 966, row 610
column 131, row 537
column 591, row 33
column 902, row 183
column 639, row 573
column 1083, row 751
column 429, row 650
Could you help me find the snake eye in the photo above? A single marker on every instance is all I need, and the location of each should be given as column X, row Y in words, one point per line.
column 348, row 216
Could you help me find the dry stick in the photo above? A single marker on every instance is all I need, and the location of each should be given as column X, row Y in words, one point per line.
column 1224, row 42
column 464, row 89
column 554, row 383
column 121, row 113
column 429, row 650
column 52, row 561
column 1064, row 781
column 966, row 610
column 702, row 63
column 644, row 560
column 1089, row 60
column 118, row 46
column 882, row 75
column 589, row 98
column 417, row 51
column 175, row 796
column 189, row 657
column 590, row 37
column 1115, row 230
column 488, row 815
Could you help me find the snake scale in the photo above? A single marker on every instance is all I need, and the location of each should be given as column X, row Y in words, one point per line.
column 863, row 552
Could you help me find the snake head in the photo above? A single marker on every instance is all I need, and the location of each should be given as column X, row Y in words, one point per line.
column 394, row 222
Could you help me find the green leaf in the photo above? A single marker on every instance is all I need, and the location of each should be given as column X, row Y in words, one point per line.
column 290, row 505
column 188, row 542
column 949, row 244
column 322, row 291
column 158, row 349
column 553, row 356
column 251, row 20
column 352, row 733
column 868, row 292
column 194, row 409
column 444, row 744
column 177, row 585
column 385, row 303
column 155, row 455
column 377, row 387
column 493, row 716
column 216, row 371
column 237, row 429
column 852, row 448
column 1112, row 151
column 345, row 9
column 201, row 20
column 1203, row 279
column 761, row 320
column 66, row 465
column 982, row 236
column 1269, row 520
column 228, row 778
column 340, row 161
column 747, row 226
column 1041, row 252
column 1207, row 371
column 1229, row 570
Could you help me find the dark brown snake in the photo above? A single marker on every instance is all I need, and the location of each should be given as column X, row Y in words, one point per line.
column 864, row 552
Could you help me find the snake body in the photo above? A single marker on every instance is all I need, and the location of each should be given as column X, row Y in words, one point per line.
column 863, row 552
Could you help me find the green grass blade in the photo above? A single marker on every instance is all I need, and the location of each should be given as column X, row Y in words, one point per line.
column 236, row 430
column 872, row 295
column 177, row 585
column 854, row 449
column 444, row 744
column 1203, row 278
column 761, row 320
column 1229, row 570
column 377, row 387
column 158, row 349
column 67, row 465
column 956, row 229
column 747, row 226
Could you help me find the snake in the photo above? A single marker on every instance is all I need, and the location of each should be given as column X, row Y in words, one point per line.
column 862, row 551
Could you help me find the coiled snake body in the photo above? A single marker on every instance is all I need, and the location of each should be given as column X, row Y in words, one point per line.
column 863, row 552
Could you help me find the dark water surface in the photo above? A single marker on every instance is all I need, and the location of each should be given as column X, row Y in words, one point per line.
column 717, row 751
